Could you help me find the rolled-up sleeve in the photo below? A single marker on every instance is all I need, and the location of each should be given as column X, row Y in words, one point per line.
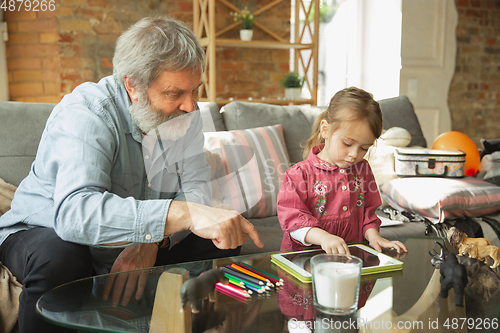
column 195, row 174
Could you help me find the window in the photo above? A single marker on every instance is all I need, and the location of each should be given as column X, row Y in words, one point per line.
column 359, row 45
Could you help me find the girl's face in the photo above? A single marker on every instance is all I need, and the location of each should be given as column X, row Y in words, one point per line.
column 347, row 145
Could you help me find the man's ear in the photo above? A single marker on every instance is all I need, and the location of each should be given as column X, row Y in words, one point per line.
column 133, row 93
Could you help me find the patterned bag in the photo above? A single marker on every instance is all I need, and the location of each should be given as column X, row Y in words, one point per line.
column 429, row 162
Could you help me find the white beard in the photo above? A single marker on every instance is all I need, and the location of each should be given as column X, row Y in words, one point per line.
column 148, row 118
column 176, row 125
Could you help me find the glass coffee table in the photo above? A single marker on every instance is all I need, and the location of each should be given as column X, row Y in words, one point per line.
column 399, row 301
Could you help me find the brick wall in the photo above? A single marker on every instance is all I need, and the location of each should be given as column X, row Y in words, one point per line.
column 474, row 96
column 33, row 56
column 51, row 52
column 256, row 73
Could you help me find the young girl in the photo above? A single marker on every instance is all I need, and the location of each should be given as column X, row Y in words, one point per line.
column 330, row 198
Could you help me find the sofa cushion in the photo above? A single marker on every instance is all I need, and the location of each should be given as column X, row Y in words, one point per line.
column 255, row 161
column 443, row 198
column 21, row 128
column 399, row 112
column 296, row 121
column 211, row 117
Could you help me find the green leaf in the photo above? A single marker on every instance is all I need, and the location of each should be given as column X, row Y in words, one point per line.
column 293, row 80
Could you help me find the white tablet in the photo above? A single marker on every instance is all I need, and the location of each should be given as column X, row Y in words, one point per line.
column 298, row 263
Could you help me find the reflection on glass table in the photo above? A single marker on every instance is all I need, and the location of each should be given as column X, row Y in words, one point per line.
column 403, row 301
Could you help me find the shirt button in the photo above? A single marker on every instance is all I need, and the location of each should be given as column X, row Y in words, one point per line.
column 146, row 157
column 344, row 208
column 148, row 237
column 342, row 170
column 344, row 187
column 149, row 185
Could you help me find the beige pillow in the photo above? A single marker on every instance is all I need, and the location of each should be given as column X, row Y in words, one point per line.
column 381, row 155
column 394, row 136
column 6, row 195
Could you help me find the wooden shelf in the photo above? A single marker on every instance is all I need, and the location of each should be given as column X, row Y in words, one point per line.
column 222, row 102
column 204, row 27
column 256, row 44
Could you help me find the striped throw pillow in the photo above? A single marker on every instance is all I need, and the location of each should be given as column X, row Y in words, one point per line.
column 439, row 199
column 254, row 163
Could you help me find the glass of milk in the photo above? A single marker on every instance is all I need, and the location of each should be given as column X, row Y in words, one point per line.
column 336, row 279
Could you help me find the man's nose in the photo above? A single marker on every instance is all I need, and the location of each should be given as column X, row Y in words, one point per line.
column 189, row 103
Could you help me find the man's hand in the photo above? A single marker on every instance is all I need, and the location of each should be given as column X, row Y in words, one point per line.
column 131, row 258
column 226, row 228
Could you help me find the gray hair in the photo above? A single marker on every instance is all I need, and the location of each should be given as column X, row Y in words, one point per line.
column 153, row 45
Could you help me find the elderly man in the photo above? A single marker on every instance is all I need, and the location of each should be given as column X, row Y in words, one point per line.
column 96, row 200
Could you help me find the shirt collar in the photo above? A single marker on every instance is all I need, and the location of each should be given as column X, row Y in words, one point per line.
column 318, row 162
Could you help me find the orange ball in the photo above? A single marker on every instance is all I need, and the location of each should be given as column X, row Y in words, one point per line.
column 458, row 141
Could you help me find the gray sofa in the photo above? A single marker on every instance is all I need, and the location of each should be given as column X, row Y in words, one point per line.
column 22, row 125
column 297, row 121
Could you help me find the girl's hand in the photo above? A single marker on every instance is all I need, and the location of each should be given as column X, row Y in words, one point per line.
column 329, row 243
column 378, row 243
column 334, row 244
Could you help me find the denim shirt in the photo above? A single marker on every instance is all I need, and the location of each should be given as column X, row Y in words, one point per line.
column 89, row 181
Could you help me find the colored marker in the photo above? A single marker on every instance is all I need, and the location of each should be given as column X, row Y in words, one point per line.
column 242, row 275
column 246, row 271
column 235, row 289
column 249, row 285
column 241, row 290
column 228, row 292
column 274, row 279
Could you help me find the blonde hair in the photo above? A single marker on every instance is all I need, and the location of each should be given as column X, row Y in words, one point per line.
column 349, row 105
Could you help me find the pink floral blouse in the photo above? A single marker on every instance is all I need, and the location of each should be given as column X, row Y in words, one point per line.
column 315, row 193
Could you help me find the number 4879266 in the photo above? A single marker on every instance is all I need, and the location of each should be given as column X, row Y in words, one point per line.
column 28, row 5
column 471, row 323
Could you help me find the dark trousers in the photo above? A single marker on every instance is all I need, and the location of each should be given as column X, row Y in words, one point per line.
column 192, row 248
column 40, row 260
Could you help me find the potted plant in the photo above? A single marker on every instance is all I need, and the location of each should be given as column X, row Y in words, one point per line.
column 245, row 18
column 293, row 83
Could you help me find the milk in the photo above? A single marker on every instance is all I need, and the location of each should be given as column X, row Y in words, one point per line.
column 336, row 284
